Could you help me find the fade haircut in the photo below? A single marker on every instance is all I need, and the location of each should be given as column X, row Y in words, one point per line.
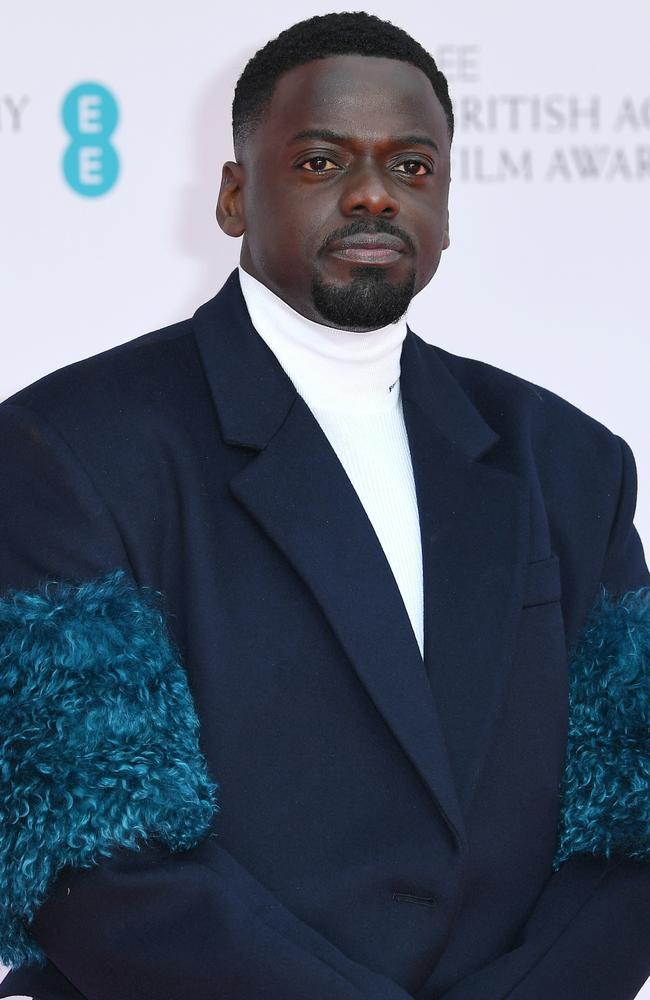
column 320, row 36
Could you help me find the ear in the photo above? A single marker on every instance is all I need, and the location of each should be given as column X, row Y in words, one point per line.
column 230, row 203
column 445, row 239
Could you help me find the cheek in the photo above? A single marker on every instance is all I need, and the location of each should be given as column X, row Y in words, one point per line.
column 433, row 235
column 431, row 246
column 281, row 224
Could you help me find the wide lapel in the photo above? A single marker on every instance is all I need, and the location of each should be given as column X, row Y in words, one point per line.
column 474, row 521
column 297, row 490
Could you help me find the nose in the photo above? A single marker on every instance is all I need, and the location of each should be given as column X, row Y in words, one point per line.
column 368, row 189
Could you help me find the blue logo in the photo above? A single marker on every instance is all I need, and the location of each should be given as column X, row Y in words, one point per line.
column 90, row 162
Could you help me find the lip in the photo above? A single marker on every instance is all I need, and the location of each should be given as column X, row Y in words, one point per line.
column 368, row 248
column 367, row 242
column 367, row 255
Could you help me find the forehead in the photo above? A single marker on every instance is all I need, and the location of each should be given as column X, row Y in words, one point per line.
column 362, row 95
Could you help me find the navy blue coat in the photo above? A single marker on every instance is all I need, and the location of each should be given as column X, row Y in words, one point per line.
column 386, row 826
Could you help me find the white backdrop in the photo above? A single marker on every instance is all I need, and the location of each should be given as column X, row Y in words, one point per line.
column 547, row 273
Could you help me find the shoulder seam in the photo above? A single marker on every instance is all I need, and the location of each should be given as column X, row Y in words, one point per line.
column 54, row 432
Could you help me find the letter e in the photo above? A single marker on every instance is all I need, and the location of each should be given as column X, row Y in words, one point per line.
column 89, row 113
column 90, row 165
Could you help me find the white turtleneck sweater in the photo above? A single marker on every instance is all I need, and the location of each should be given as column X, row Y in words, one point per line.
column 350, row 382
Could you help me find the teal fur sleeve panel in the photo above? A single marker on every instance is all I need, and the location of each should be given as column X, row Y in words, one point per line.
column 606, row 782
column 99, row 741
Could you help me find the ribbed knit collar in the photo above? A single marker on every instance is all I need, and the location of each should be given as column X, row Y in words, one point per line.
column 332, row 369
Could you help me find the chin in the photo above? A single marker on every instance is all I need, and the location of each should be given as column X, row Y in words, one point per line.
column 368, row 300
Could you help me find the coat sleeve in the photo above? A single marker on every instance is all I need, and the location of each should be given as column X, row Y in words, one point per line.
column 106, row 803
column 588, row 935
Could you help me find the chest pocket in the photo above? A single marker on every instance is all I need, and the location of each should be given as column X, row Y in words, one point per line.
column 542, row 584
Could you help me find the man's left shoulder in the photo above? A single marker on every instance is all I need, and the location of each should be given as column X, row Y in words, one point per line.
column 533, row 417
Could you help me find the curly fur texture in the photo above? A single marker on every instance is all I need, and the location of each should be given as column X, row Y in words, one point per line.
column 606, row 782
column 98, row 741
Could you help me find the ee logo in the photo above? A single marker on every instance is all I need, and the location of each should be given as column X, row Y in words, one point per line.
column 90, row 162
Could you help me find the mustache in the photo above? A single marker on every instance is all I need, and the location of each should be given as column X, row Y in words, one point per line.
column 357, row 226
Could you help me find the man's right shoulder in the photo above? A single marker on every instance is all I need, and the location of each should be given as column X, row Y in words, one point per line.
column 121, row 383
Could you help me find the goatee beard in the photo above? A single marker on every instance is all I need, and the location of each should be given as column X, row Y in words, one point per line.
column 368, row 302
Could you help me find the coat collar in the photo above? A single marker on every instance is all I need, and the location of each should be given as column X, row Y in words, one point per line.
column 474, row 530
column 244, row 360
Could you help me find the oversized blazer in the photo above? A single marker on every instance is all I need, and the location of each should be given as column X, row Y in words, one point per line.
column 227, row 772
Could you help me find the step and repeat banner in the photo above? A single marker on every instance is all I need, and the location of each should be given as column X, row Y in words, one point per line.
column 115, row 120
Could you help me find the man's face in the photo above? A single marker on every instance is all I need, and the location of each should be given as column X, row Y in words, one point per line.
column 341, row 192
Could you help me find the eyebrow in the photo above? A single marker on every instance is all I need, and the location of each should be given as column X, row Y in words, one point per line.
column 397, row 140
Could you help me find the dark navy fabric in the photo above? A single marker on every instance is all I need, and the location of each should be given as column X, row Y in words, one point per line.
column 386, row 825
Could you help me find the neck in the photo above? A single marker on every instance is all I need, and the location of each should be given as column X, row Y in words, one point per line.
column 343, row 370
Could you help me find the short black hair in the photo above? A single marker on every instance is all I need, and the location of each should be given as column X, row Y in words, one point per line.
column 320, row 36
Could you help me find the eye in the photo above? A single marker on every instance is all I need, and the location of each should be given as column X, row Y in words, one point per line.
column 318, row 164
column 417, row 164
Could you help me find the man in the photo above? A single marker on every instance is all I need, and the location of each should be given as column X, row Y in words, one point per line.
column 325, row 652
